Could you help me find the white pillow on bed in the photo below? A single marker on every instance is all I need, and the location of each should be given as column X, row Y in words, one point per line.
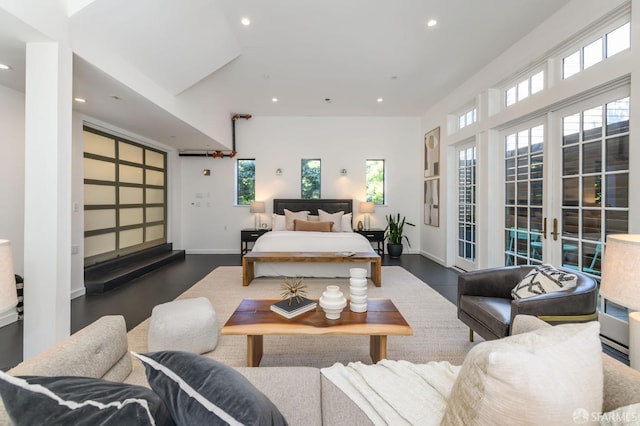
column 346, row 222
column 336, row 218
column 278, row 222
column 291, row 216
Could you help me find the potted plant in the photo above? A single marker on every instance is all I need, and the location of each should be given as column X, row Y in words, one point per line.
column 393, row 233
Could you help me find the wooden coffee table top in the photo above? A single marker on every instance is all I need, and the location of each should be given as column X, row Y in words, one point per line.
column 254, row 317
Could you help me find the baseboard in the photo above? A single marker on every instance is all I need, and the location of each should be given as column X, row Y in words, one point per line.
column 8, row 317
column 434, row 258
column 78, row 292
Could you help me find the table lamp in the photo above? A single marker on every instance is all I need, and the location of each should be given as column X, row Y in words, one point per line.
column 620, row 284
column 366, row 208
column 8, row 294
column 257, row 207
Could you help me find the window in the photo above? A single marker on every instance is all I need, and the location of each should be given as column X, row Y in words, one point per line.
column 125, row 205
column 245, row 181
column 595, row 51
column 375, row 181
column 524, row 88
column 467, row 118
column 310, row 178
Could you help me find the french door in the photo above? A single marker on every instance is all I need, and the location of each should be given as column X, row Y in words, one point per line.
column 594, row 201
column 466, row 189
column 567, row 188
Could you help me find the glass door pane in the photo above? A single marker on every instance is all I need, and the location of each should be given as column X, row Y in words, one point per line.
column 595, row 182
column 524, row 195
column 466, row 253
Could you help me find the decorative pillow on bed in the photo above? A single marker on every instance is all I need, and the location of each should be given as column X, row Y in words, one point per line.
column 543, row 279
column 291, row 216
column 336, row 218
column 303, row 225
column 346, row 222
column 201, row 391
column 278, row 222
column 37, row 400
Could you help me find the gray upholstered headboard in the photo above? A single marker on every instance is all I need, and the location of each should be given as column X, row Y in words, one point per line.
column 328, row 205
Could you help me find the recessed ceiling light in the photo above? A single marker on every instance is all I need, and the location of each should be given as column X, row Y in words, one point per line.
column 4, row 67
column 432, row 23
column 80, row 100
column 274, row 99
column 245, row 21
column 380, row 100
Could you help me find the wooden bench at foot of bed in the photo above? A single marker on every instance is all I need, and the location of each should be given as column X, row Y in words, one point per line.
column 252, row 257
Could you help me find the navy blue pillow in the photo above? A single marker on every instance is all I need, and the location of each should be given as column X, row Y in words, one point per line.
column 39, row 400
column 201, row 391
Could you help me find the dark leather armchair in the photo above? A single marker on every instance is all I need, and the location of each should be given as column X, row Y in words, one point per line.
column 486, row 306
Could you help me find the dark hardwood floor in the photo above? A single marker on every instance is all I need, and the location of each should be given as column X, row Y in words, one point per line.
column 136, row 299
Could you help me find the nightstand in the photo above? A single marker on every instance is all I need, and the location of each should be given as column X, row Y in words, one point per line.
column 375, row 236
column 249, row 235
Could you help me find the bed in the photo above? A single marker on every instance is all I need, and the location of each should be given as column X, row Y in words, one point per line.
column 282, row 240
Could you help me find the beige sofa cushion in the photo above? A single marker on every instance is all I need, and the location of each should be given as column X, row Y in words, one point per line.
column 98, row 350
column 542, row 377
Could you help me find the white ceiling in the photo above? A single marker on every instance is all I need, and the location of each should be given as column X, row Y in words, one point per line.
column 302, row 52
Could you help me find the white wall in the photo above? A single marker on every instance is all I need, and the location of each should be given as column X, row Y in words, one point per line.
column 439, row 243
column 210, row 221
column 12, row 173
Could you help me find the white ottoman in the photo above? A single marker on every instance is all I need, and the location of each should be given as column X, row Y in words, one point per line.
column 183, row 325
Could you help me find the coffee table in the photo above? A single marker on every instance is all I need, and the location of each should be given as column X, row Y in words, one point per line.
column 254, row 318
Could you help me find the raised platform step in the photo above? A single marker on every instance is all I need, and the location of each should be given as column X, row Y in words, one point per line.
column 112, row 273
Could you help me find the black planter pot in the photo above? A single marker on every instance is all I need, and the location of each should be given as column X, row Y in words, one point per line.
column 394, row 250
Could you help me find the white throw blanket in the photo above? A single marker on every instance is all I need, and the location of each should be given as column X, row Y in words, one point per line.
column 397, row 392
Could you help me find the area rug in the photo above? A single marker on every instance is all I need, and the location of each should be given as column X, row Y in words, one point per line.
column 437, row 333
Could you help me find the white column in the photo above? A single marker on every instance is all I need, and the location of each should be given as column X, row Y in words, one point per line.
column 47, row 221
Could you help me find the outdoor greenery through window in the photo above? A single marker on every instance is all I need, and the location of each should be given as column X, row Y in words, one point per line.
column 310, row 178
column 375, row 181
column 245, row 181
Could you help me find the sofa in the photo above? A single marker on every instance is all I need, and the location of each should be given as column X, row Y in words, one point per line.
column 302, row 394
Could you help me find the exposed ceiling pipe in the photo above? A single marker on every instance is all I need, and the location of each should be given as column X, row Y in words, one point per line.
column 221, row 154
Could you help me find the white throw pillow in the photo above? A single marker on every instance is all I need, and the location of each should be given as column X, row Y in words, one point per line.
column 544, row 377
column 346, row 222
column 291, row 216
column 543, row 279
column 336, row 218
column 278, row 222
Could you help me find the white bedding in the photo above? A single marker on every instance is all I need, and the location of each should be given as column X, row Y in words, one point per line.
column 397, row 392
column 299, row 241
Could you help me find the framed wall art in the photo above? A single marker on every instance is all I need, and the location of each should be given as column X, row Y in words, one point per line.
column 432, row 153
column 432, row 202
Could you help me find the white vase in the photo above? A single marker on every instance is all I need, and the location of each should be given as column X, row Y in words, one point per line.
column 358, row 282
column 332, row 301
column 358, row 272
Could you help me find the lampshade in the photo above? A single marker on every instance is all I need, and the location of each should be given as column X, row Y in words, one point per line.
column 257, row 207
column 367, row 208
column 620, row 282
column 8, row 295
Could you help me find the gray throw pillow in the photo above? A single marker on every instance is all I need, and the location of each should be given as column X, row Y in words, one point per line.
column 69, row 400
column 201, row 391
